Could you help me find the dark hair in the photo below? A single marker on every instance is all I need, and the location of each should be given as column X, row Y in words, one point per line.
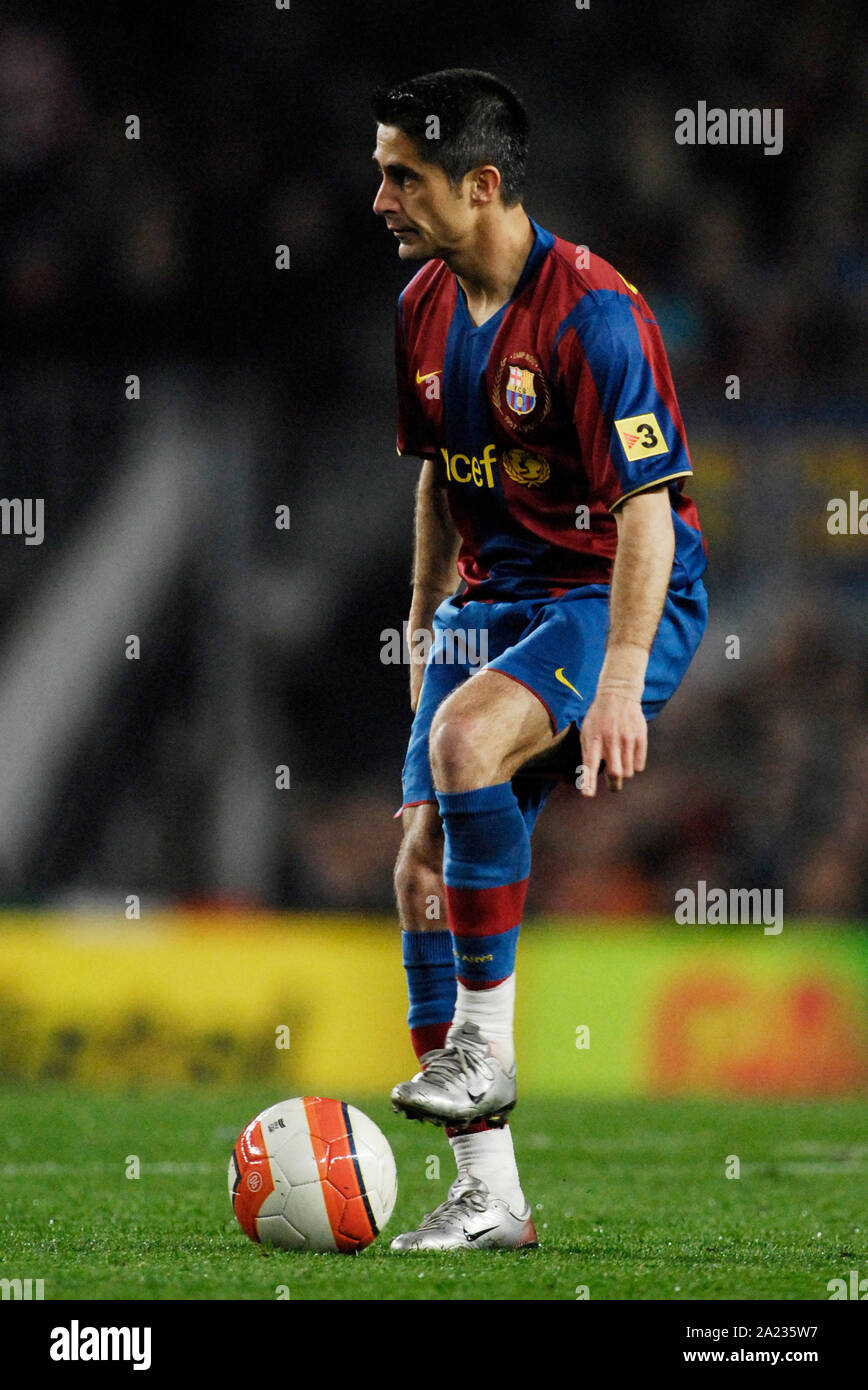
column 481, row 121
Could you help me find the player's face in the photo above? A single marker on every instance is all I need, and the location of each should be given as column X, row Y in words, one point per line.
column 424, row 213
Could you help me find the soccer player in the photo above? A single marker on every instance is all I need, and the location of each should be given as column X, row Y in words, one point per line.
column 557, row 569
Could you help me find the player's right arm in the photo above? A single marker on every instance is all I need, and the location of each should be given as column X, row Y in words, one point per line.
column 435, row 576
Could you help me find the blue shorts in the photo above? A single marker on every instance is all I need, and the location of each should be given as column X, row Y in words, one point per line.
column 554, row 647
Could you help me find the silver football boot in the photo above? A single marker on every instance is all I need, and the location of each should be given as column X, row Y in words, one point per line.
column 459, row 1083
column 471, row 1219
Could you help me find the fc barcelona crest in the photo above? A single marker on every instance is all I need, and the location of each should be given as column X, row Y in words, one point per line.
column 521, row 395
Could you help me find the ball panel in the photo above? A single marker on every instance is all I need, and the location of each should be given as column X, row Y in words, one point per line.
column 306, row 1209
column 253, row 1181
column 383, row 1189
column 277, row 1231
column 294, row 1158
column 330, row 1135
column 284, row 1120
column 357, row 1230
column 377, row 1164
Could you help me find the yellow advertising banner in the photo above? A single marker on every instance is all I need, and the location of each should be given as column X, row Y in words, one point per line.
column 315, row 1004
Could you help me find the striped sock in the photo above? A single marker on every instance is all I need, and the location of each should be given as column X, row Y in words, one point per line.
column 486, row 863
column 430, row 968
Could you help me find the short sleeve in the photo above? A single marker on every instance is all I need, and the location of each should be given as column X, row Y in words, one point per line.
column 413, row 434
column 625, row 412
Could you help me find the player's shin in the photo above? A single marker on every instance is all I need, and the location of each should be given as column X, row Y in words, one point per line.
column 430, row 969
column 485, row 871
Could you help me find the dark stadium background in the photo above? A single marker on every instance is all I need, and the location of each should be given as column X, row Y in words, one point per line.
column 262, row 387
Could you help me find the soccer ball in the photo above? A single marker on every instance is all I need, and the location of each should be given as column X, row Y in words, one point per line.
column 313, row 1174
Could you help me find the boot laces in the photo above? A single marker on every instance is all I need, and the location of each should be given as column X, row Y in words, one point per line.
column 466, row 1194
column 464, row 1056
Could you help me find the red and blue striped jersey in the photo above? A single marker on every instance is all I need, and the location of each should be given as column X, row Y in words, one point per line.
column 544, row 419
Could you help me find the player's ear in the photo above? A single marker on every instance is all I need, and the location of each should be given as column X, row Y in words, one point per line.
column 485, row 182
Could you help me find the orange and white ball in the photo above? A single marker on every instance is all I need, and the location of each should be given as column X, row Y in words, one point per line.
column 313, row 1174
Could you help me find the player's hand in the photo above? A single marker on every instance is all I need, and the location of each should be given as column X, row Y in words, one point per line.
column 614, row 731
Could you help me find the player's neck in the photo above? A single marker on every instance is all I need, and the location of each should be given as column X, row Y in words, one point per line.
column 489, row 270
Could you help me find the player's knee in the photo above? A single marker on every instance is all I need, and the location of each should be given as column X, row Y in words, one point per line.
column 457, row 751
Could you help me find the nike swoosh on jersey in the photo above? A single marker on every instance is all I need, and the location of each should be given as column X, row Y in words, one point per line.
column 559, row 676
column 425, row 376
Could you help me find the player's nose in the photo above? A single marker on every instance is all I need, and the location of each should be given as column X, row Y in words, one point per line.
column 385, row 202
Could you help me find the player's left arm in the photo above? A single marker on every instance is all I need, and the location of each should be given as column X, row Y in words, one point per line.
column 614, row 729
column 631, row 441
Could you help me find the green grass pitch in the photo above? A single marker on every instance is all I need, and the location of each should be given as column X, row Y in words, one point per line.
column 631, row 1200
